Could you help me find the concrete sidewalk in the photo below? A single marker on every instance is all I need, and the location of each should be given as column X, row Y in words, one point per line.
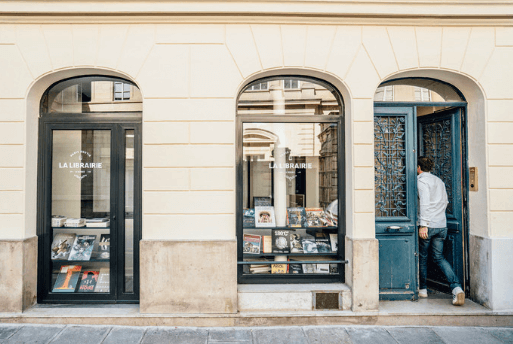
column 65, row 334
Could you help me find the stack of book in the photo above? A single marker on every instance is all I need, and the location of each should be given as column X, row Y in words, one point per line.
column 98, row 222
column 75, row 222
column 58, row 220
column 260, row 268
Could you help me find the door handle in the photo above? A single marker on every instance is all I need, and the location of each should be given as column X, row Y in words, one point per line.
column 395, row 228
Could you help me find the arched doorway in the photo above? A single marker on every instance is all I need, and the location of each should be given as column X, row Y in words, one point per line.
column 89, row 191
column 418, row 117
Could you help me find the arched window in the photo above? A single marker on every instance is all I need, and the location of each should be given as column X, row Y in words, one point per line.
column 417, row 90
column 92, row 94
column 290, row 180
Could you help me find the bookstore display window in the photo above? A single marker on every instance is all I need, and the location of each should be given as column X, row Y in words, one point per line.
column 89, row 192
column 290, row 223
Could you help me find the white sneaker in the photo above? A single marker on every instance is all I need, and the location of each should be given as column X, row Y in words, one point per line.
column 423, row 293
column 458, row 297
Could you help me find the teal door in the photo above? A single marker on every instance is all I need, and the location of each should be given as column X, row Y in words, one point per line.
column 396, row 201
column 440, row 138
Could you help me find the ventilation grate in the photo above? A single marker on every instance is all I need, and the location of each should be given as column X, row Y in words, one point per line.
column 324, row 301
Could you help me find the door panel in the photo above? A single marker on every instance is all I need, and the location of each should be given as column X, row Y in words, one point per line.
column 439, row 138
column 395, row 200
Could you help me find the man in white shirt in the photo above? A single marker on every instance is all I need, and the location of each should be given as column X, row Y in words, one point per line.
column 433, row 228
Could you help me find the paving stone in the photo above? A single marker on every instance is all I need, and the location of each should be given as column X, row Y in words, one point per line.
column 366, row 335
column 34, row 334
column 327, row 335
column 465, row 335
column 82, row 335
column 229, row 335
column 504, row 334
column 245, row 342
column 125, row 335
column 6, row 331
column 175, row 336
column 279, row 335
column 417, row 335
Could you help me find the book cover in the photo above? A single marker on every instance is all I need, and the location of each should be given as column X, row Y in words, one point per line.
column 67, row 279
column 281, row 241
column 88, row 282
column 248, row 220
column 82, row 247
column 264, row 217
column 103, row 283
column 309, row 245
column 262, row 201
column 334, row 242
column 61, row 245
column 323, row 243
column 314, row 217
column 295, row 269
column 251, row 244
column 280, row 268
column 333, row 268
column 308, row 268
column 104, row 247
column 267, row 243
column 296, row 243
column 296, row 217
column 322, row 268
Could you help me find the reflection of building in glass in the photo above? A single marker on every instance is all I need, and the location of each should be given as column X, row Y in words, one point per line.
column 307, row 151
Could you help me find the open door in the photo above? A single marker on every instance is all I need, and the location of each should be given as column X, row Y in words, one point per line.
column 440, row 138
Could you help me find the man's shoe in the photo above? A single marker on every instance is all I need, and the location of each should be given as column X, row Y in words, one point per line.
column 423, row 293
column 458, row 297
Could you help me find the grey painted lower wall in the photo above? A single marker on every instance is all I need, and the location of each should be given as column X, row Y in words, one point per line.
column 491, row 272
column 18, row 274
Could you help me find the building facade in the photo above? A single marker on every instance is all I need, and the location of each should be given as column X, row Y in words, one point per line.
column 180, row 110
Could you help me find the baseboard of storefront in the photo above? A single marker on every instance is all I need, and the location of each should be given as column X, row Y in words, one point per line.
column 392, row 313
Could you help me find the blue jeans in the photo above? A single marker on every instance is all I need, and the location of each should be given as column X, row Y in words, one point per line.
column 436, row 238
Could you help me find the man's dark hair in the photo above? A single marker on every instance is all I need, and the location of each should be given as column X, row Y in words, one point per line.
column 425, row 163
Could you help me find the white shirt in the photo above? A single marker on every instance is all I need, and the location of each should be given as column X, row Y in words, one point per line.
column 432, row 201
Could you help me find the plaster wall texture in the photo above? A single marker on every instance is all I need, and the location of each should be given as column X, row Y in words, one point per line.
column 190, row 75
column 173, row 280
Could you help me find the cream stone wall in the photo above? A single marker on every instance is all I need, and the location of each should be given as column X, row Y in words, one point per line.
column 190, row 75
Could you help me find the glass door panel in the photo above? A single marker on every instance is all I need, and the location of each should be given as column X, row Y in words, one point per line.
column 81, row 211
column 129, row 211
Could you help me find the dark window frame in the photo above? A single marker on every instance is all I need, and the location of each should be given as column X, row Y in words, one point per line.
column 340, row 121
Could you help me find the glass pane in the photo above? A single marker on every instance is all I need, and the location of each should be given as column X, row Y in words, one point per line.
column 390, row 166
column 80, row 249
column 129, row 211
column 288, row 97
column 416, row 90
column 91, row 94
column 290, row 191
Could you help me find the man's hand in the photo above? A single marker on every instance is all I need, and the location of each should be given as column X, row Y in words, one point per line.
column 423, row 232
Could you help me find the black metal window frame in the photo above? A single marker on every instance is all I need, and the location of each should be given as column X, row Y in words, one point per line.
column 340, row 121
column 117, row 124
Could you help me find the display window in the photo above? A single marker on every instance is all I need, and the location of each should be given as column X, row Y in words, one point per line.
column 291, row 220
column 89, row 192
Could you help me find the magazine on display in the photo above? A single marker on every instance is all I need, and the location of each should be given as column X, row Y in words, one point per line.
column 322, row 268
column 295, row 268
column 308, row 268
column 309, row 245
column 103, row 282
column 61, row 245
column 82, row 247
column 67, row 279
column 296, row 243
column 251, row 244
column 281, row 241
column 88, row 282
column 280, row 268
column 296, row 217
column 323, row 243
column 248, row 220
column 267, row 243
column 315, row 217
column 264, row 217
column 334, row 242
column 104, row 247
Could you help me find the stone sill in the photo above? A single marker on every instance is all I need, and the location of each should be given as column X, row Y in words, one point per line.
column 287, row 288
